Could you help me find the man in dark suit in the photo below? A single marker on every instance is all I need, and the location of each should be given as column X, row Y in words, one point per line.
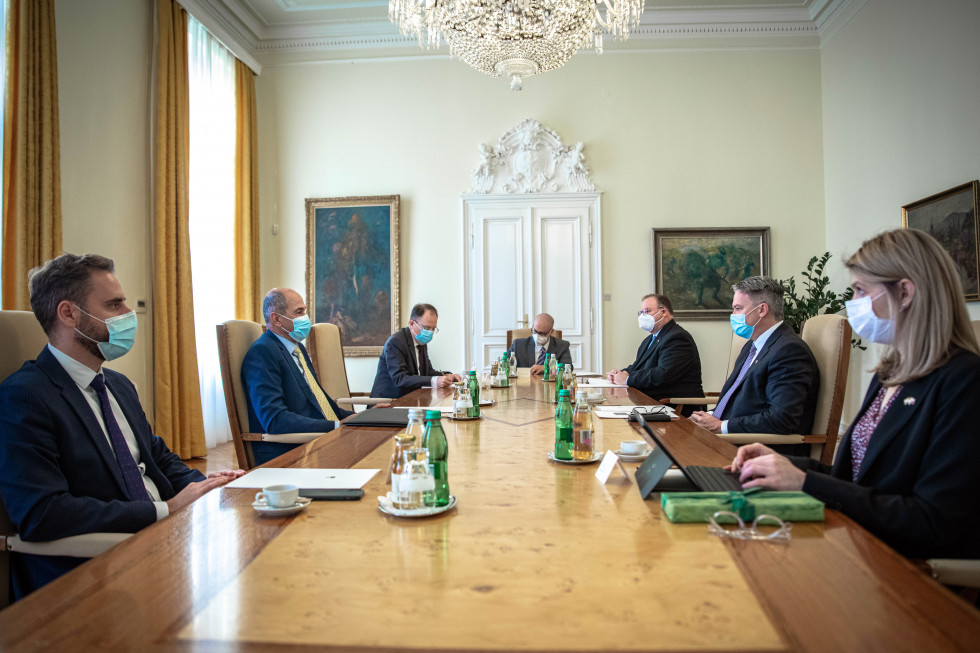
column 531, row 350
column 281, row 389
column 667, row 363
column 404, row 364
column 773, row 386
column 76, row 452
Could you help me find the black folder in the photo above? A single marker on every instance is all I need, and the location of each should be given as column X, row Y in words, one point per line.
column 391, row 417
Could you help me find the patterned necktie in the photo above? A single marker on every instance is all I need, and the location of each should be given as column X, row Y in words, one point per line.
column 321, row 398
column 130, row 471
column 720, row 408
column 541, row 355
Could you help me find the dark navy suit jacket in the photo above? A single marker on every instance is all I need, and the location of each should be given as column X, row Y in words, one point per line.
column 918, row 485
column 58, row 474
column 527, row 351
column 279, row 398
column 398, row 372
column 671, row 367
column 779, row 393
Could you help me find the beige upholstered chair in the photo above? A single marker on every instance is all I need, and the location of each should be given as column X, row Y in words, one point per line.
column 23, row 339
column 234, row 339
column 327, row 352
column 517, row 334
column 829, row 338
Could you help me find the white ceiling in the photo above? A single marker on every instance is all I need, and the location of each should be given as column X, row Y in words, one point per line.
column 274, row 32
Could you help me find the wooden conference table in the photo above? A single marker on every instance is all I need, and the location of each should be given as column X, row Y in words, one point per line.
column 536, row 556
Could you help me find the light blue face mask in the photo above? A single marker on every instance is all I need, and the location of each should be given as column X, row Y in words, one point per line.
column 301, row 326
column 425, row 336
column 122, row 334
column 741, row 329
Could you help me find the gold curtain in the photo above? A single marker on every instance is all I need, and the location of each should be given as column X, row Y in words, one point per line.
column 31, row 155
column 177, row 413
column 246, row 197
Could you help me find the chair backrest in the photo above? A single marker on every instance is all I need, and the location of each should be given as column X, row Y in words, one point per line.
column 327, row 352
column 234, row 339
column 737, row 343
column 829, row 338
column 517, row 334
column 976, row 328
column 23, row 339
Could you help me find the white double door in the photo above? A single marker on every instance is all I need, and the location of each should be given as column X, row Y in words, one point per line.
column 528, row 254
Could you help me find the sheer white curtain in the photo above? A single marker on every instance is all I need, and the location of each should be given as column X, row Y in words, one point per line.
column 211, row 73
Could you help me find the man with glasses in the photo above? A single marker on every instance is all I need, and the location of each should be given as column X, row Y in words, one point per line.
column 667, row 363
column 404, row 364
column 531, row 351
column 281, row 389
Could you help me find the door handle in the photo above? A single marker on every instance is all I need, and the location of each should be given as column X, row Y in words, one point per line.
column 523, row 322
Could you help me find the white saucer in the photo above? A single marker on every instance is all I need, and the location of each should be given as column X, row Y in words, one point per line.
column 384, row 505
column 268, row 511
column 633, row 457
column 596, row 457
column 487, row 402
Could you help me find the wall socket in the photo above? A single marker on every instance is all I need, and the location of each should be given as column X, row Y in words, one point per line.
column 607, row 297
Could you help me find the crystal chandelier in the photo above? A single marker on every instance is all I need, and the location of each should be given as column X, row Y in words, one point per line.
column 516, row 38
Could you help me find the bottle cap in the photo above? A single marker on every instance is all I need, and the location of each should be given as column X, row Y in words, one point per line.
column 404, row 438
column 433, row 414
column 416, row 413
column 563, row 393
column 472, row 372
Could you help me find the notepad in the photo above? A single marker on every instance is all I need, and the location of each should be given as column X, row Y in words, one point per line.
column 305, row 479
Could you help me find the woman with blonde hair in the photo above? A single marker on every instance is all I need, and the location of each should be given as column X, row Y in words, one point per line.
column 908, row 469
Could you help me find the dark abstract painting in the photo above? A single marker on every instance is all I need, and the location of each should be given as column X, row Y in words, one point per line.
column 352, row 273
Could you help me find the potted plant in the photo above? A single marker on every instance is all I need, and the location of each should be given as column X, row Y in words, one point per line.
column 815, row 298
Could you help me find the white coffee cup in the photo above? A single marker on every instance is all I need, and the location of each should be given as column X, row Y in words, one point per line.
column 278, row 496
column 633, row 447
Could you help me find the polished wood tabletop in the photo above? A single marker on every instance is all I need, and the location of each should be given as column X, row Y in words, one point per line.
column 536, row 556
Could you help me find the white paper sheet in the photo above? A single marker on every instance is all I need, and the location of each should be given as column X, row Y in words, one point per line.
column 622, row 412
column 599, row 382
column 305, row 479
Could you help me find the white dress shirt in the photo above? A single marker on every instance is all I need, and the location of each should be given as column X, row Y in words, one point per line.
column 83, row 376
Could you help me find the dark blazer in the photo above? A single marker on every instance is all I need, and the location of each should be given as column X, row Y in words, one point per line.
column 58, row 474
column 779, row 393
column 279, row 398
column 671, row 367
column 398, row 372
column 527, row 351
column 919, row 482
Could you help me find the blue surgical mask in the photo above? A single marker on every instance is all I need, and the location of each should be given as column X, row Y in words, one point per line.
column 301, row 326
column 122, row 334
column 741, row 329
column 868, row 326
column 425, row 336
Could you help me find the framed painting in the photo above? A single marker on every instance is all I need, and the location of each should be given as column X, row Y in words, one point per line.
column 951, row 218
column 695, row 268
column 352, row 268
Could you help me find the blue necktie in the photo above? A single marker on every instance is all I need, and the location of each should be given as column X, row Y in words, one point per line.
column 130, row 471
column 720, row 408
column 541, row 355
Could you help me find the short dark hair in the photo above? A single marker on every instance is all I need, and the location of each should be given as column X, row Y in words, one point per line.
column 662, row 301
column 274, row 302
column 763, row 290
column 420, row 309
column 63, row 278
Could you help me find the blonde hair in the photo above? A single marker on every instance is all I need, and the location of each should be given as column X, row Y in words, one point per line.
column 934, row 323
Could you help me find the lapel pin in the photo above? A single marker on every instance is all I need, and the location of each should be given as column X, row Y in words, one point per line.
column 909, row 401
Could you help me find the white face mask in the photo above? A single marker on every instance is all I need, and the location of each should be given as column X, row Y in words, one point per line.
column 867, row 325
column 647, row 321
column 542, row 340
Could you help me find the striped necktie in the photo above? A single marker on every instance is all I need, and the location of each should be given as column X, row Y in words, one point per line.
column 132, row 476
column 321, row 398
column 720, row 408
column 541, row 355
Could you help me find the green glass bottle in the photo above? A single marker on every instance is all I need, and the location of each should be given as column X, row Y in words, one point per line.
column 559, row 375
column 505, row 365
column 564, row 439
column 435, row 442
column 547, row 368
column 474, row 409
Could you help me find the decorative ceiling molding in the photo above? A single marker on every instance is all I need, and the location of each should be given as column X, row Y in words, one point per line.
column 363, row 29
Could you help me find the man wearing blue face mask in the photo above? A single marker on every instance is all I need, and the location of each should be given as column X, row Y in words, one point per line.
column 281, row 388
column 76, row 452
column 773, row 386
column 404, row 364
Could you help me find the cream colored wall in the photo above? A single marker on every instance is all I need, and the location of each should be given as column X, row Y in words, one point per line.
column 673, row 140
column 901, row 101
column 104, row 50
